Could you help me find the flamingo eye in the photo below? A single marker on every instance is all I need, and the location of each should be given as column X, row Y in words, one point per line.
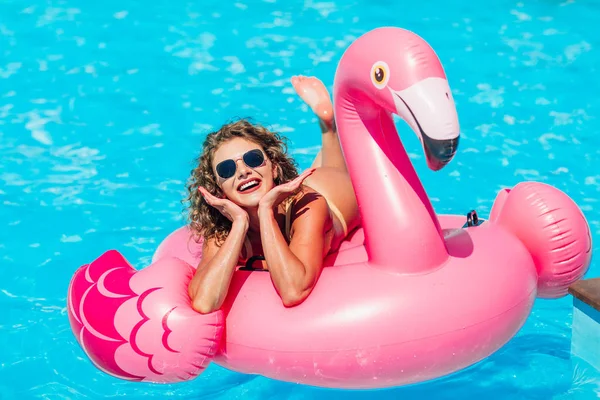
column 380, row 74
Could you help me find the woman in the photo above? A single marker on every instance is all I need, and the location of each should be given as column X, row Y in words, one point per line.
column 247, row 199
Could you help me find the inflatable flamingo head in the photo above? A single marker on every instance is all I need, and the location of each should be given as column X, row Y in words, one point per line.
column 400, row 72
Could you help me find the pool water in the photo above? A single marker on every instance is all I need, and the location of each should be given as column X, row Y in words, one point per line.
column 104, row 106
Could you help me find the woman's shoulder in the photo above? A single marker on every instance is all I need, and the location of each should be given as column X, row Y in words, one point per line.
column 306, row 196
column 308, row 214
column 308, row 203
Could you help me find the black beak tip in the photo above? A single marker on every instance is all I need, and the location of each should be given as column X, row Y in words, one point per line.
column 439, row 152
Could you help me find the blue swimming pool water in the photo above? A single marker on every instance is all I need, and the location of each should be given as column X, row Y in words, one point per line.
column 104, row 106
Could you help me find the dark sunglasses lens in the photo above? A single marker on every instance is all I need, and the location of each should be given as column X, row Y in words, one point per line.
column 226, row 169
column 254, row 158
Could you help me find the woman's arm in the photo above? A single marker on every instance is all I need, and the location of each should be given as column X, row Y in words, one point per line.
column 295, row 268
column 210, row 284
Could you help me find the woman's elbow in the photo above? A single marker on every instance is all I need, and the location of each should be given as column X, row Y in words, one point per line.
column 294, row 293
column 293, row 297
column 204, row 306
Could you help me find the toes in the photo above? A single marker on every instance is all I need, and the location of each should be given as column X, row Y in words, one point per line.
column 314, row 93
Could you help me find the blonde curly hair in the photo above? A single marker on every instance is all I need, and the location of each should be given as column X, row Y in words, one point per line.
column 204, row 220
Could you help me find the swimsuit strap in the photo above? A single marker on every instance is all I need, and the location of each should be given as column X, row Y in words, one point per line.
column 288, row 219
column 340, row 217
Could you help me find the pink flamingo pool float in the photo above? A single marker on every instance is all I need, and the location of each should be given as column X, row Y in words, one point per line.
column 410, row 296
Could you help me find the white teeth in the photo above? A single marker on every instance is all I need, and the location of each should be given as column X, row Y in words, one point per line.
column 248, row 184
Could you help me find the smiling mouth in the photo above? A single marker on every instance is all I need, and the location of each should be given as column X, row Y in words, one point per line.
column 248, row 185
column 439, row 152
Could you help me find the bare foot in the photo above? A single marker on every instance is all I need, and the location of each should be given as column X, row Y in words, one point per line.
column 315, row 95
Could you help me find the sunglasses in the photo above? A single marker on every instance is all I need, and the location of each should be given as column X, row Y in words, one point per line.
column 253, row 159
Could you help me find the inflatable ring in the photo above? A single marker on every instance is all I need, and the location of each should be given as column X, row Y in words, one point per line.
column 410, row 295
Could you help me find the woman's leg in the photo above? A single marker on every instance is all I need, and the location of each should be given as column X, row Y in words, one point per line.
column 331, row 178
column 315, row 95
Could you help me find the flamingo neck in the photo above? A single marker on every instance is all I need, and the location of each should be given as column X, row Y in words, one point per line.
column 402, row 232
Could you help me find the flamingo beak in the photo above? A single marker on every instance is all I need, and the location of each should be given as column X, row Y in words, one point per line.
column 439, row 152
column 429, row 109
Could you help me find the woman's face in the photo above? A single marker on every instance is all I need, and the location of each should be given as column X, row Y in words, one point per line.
column 243, row 171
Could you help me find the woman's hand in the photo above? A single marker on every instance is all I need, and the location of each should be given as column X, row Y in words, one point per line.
column 281, row 192
column 228, row 208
